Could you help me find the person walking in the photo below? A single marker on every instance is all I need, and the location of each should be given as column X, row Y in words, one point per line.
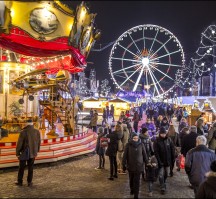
column 176, row 141
column 189, row 141
column 121, row 146
column 99, row 149
column 207, row 189
column 133, row 160
column 112, row 152
column 136, row 120
column 211, row 138
column 28, row 137
column 146, row 140
column 165, row 153
column 198, row 161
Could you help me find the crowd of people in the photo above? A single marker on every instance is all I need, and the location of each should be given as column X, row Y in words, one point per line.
column 149, row 149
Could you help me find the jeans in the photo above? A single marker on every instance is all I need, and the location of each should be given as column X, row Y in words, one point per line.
column 22, row 164
column 134, row 179
column 119, row 160
column 101, row 161
column 113, row 166
column 150, row 185
column 163, row 173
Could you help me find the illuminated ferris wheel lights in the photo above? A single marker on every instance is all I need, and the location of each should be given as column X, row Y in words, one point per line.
column 202, row 64
column 213, row 32
column 209, row 69
column 145, row 61
column 215, row 65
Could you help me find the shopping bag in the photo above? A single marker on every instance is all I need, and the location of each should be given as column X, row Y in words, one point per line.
column 180, row 161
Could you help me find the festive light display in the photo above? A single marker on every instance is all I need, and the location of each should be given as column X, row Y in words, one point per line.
column 105, row 89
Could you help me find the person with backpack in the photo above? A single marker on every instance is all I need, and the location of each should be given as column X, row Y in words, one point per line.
column 100, row 149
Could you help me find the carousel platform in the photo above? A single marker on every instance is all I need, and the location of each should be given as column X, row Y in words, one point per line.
column 53, row 148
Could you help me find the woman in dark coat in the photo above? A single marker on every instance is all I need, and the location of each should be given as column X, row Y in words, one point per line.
column 100, row 150
column 207, row 189
column 112, row 152
column 133, row 160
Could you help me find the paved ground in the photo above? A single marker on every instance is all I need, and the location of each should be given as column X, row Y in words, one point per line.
column 77, row 178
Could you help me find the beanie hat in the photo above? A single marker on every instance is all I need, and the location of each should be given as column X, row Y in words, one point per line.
column 193, row 129
column 213, row 166
column 162, row 130
column 133, row 135
column 100, row 130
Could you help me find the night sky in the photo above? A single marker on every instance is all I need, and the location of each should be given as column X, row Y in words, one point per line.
column 185, row 19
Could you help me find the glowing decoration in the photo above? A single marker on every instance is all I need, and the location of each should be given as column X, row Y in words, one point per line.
column 146, row 55
column 207, row 105
column 195, row 104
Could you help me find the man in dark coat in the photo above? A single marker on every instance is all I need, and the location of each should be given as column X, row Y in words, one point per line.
column 164, row 151
column 189, row 141
column 133, row 160
column 198, row 161
column 32, row 136
column 208, row 189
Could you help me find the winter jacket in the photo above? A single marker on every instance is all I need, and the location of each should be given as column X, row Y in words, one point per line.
column 188, row 142
column 99, row 150
column 200, row 131
column 124, row 140
column 164, row 151
column 148, row 144
column 151, row 129
column 94, row 119
column 134, row 156
column 211, row 139
column 34, row 141
column 208, row 188
column 197, row 163
column 113, row 144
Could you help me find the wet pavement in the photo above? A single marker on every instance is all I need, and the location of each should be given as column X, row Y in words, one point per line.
column 77, row 178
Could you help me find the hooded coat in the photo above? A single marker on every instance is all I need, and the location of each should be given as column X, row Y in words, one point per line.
column 208, row 188
column 134, row 156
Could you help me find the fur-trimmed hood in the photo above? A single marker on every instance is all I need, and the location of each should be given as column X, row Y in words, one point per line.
column 210, row 174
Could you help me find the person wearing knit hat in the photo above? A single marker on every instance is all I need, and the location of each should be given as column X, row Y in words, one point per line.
column 164, row 151
column 134, row 159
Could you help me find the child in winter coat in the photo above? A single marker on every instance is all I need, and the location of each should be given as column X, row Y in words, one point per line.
column 151, row 173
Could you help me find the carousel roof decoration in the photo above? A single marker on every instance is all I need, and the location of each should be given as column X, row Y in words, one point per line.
column 48, row 34
column 196, row 105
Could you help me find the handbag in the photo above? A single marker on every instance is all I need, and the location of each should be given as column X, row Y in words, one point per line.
column 25, row 154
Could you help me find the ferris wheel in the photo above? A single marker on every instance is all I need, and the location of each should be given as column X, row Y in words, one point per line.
column 146, row 57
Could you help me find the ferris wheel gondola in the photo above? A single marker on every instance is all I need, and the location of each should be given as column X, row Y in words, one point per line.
column 146, row 57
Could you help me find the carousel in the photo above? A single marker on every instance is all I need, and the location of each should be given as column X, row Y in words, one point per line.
column 39, row 50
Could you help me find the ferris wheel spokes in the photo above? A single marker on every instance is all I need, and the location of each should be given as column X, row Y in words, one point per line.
column 132, row 66
column 166, row 64
column 126, row 59
column 143, row 38
column 162, row 72
column 157, row 82
column 166, row 54
column 134, row 43
column 153, row 41
column 130, row 76
column 127, row 50
column 138, row 80
column 161, row 47
column 153, row 81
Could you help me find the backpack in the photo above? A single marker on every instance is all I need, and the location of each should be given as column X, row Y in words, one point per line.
column 104, row 142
